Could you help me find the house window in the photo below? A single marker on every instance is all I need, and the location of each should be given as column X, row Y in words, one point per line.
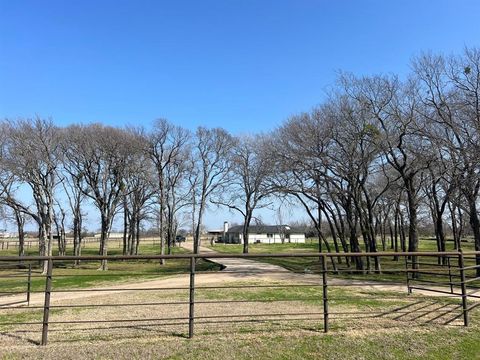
column 269, row 235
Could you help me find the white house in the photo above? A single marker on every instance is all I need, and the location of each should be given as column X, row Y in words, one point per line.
column 113, row 235
column 4, row 234
column 266, row 234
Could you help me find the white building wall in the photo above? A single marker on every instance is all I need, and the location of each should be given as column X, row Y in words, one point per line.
column 113, row 235
column 275, row 239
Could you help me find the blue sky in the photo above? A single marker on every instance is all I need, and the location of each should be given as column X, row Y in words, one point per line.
column 243, row 65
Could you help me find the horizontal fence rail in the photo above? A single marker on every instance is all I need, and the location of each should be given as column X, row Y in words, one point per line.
column 451, row 275
column 234, row 256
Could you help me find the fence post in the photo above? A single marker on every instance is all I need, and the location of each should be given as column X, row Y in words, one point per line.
column 191, row 312
column 29, row 283
column 461, row 264
column 407, row 274
column 325, row 293
column 46, row 306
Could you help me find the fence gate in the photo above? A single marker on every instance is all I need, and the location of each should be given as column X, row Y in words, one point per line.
column 453, row 276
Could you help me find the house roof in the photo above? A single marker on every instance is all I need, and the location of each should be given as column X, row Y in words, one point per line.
column 266, row 229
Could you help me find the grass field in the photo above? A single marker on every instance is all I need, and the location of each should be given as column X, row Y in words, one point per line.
column 65, row 276
column 441, row 344
column 390, row 336
column 311, row 245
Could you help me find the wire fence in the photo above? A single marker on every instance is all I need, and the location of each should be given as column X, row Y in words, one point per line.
column 29, row 243
column 451, row 277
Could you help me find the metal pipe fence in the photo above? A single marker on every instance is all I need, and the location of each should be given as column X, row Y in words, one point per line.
column 455, row 280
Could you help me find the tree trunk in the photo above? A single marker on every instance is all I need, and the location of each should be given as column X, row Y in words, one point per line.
column 390, row 229
column 162, row 244
column 321, row 239
column 334, row 235
column 456, row 239
column 475, row 224
column 76, row 240
column 245, row 239
column 395, row 234
column 125, row 228
column 373, row 238
column 104, row 240
column 137, row 232
column 245, row 230
column 413, row 220
column 403, row 237
column 439, row 230
column 20, row 220
column 340, row 225
column 161, row 228
column 340, row 230
column 354, row 245
column 196, row 239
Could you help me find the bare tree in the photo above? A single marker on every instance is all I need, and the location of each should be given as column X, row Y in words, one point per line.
column 212, row 152
column 59, row 220
column 32, row 156
column 249, row 187
column 452, row 103
column 12, row 213
column 139, row 192
column 101, row 154
column 8, row 185
column 393, row 107
column 165, row 147
column 73, row 185
column 352, row 165
column 297, row 152
column 178, row 194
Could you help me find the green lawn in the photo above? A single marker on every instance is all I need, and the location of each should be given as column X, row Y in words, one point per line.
column 65, row 276
column 311, row 245
column 115, row 247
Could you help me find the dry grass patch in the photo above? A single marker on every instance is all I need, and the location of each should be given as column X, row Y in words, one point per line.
column 352, row 312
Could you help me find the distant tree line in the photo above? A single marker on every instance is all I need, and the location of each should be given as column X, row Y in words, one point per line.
column 363, row 165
